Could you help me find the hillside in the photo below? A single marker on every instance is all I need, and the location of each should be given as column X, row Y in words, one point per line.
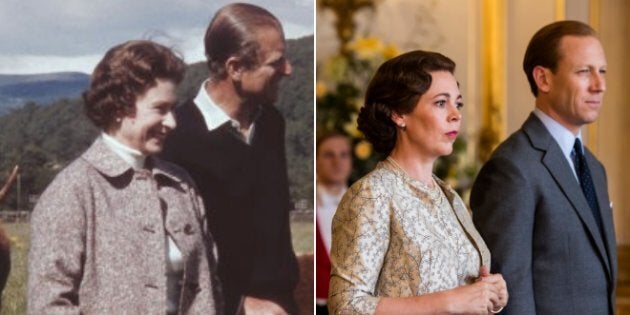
column 44, row 139
column 16, row 90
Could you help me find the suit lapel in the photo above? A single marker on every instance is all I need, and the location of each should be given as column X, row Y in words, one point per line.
column 560, row 170
column 599, row 179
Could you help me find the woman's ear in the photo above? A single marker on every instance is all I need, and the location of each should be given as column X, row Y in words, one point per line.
column 542, row 77
column 234, row 68
column 398, row 119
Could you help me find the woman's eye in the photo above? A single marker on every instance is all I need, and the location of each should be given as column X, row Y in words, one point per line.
column 440, row 103
column 460, row 105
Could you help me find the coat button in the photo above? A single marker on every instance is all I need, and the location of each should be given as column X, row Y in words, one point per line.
column 188, row 229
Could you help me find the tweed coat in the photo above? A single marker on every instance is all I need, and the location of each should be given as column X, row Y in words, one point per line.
column 98, row 242
column 529, row 208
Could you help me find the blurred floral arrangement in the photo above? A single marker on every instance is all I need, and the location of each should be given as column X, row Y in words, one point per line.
column 341, row 83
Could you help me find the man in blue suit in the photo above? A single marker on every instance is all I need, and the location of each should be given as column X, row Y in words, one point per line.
column 541, row 201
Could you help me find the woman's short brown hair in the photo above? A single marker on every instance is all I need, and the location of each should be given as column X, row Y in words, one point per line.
column 396, row 88
column 127, row 71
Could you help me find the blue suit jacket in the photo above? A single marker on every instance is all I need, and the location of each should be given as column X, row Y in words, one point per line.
column 529, row 208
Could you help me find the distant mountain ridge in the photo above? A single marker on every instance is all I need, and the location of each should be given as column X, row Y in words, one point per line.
column 18, row 89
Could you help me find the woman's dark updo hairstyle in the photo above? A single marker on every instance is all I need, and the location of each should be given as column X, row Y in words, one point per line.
column 127, row 71
column 397, row 87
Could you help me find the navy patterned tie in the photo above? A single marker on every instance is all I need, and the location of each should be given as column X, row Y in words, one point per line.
column 586, row 181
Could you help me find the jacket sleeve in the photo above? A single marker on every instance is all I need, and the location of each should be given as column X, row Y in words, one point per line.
column 275, row 271
column 503, row 206
column 360, row 238
column 56, row 256
column 209, row 242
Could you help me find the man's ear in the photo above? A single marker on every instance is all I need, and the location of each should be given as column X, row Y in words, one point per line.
column 234, row 68
column 543, row 78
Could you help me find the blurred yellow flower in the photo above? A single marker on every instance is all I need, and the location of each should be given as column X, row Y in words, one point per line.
column 366, row 47
column 335, row 68
column 389, row 52
column 363, row 150
column 320, row 89
column 351, row 127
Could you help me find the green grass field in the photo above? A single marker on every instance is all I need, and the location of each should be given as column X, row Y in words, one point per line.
column 14, row 296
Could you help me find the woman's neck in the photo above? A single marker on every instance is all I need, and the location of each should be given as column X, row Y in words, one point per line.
column 415, row 165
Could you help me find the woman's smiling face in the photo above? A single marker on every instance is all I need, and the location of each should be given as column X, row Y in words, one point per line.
column 146, row 129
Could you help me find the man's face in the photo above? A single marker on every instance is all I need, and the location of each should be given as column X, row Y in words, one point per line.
column 263, row 81
column 334, row 161
column 576, row 89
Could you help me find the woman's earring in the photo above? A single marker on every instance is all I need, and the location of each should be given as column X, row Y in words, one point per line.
column 118, row 120
column 402, row 126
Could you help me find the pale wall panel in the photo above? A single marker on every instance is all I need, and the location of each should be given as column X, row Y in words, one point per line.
column 525, row 17
column 613, row 141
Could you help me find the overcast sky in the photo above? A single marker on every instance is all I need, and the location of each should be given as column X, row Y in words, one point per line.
column 40, row 36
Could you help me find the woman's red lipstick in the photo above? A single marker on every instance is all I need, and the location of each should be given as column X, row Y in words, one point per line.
column 452, row 134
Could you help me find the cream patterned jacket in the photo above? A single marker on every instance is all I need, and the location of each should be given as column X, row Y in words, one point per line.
column 393, row 236
column 98, row 242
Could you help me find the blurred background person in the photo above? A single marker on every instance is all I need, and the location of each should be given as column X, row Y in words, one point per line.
column 333, row 160
column 119, row 231
column 403, row 240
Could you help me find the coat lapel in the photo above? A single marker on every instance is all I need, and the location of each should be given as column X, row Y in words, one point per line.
column 560, row 170
column 463, row 216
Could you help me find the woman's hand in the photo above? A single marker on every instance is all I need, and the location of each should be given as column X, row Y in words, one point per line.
column 485, row 296
column 499, row 283
column 477, row 298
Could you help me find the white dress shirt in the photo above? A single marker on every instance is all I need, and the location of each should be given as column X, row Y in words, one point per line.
column 327, row 203
column 563, row 136
column 215, row 116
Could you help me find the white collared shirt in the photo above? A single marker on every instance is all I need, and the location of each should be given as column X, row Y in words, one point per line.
column 215, row 116
column 327, row 203
column 134, row 157
column 563, row 136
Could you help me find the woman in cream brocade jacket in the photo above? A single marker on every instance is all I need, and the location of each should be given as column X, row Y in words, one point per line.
column 394, row 236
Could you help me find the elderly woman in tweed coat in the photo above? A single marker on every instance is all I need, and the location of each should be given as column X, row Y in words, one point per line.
column 120, row 231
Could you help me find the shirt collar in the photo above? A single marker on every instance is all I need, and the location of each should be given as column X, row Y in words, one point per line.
column 132, row 156
column 562, row 135
column 102, row 157
column 214, row 116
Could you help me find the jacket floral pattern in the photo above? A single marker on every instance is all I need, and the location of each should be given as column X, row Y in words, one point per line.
column 394, row 236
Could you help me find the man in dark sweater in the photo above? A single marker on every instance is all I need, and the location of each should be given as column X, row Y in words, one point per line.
column 230, row 138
